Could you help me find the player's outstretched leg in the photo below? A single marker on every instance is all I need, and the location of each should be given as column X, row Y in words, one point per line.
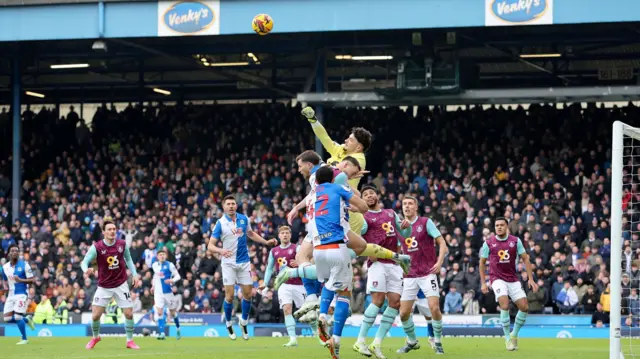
column 364, row 249
column 17, row 319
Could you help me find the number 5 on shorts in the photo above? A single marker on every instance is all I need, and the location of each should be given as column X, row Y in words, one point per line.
column 434, row 285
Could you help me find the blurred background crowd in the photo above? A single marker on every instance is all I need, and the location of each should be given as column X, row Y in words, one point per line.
column 162, row 172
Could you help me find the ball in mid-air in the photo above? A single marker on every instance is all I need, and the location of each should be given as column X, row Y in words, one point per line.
column 262, row 24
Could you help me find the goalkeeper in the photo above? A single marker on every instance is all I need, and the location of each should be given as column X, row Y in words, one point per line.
column 355, row 146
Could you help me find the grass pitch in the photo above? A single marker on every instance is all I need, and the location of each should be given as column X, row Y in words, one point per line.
column 268, row 348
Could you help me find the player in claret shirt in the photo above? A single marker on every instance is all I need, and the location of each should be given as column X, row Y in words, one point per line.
column 426, row 261
column 111, row 255
column 502, row 251
column 384, row 277
column 292, row 291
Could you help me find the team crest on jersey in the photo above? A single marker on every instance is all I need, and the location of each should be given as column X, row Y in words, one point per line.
column 18, row 269
column 419, row 229
column 290, row 251
column 389, row 214
column 119, row 249
column 511, row 244
column 103, row 252
column 494, row 245
column 374, row 219
column 242, row 221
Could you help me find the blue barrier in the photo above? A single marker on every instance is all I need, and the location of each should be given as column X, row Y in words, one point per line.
column 70, row 330
column 552, row 320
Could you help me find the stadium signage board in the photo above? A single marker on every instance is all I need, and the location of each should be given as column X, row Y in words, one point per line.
column 184, row 18
column 518, row 12
column 57, row 2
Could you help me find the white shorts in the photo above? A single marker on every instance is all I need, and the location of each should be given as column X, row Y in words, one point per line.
column 333, row 267
column 423, row 307
column 16, row 303
column 384, row 278
column 233, row 273
column 429, row 285
column 308, row 238
column 103, row 296
column 165, row 300
column 291, row 294
column 513, row 290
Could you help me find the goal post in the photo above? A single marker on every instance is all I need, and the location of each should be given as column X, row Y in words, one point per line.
column 617, row 154
column 625, row 146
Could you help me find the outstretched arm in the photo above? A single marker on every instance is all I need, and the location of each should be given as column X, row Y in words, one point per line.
column 331, row 146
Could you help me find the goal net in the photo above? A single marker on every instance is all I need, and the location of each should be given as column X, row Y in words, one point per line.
column 625, row 242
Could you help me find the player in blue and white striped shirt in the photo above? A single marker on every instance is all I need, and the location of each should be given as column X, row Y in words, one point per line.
column 233, row 229
column 164, row 278
column 17, row 274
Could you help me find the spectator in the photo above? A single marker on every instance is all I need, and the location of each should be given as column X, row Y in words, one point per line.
column 567, row 299
column 589, row 301
column 605, row 299
column 600, row 315
column 537, row 299
column 470, row 304
column 453, row 301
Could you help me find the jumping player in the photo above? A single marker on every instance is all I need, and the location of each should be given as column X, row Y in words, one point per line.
column 333, row 262
column 18, row 275
column 290, row 292
column 111, row 255
column 354, row 146
column 384, row 278
column 502, row 250
column 165, row 277
column 234, row 229
column 423, row 274
column 308, row 163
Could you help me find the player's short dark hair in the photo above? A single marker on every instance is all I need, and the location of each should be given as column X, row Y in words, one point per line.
column 309, row 156
column 353, row 161
column 106, row 221
column 324, row 174
column 11, row 246
column 369, row 188
column 228, row 197
column 501, row 219
column 363, row 136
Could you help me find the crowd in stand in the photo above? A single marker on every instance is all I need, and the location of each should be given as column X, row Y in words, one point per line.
column 162, row 172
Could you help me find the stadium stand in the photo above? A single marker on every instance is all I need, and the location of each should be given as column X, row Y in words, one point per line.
column 162, row 172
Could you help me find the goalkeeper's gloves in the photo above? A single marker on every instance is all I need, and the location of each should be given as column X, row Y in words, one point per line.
column 310, row 114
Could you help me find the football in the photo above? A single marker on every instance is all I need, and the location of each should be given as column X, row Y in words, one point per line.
column 262, row 24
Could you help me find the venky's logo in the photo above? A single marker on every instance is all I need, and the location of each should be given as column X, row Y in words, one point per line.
column 188, row 17
column 519, row 11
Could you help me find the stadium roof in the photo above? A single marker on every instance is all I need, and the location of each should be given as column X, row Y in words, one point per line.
column 281, row 65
